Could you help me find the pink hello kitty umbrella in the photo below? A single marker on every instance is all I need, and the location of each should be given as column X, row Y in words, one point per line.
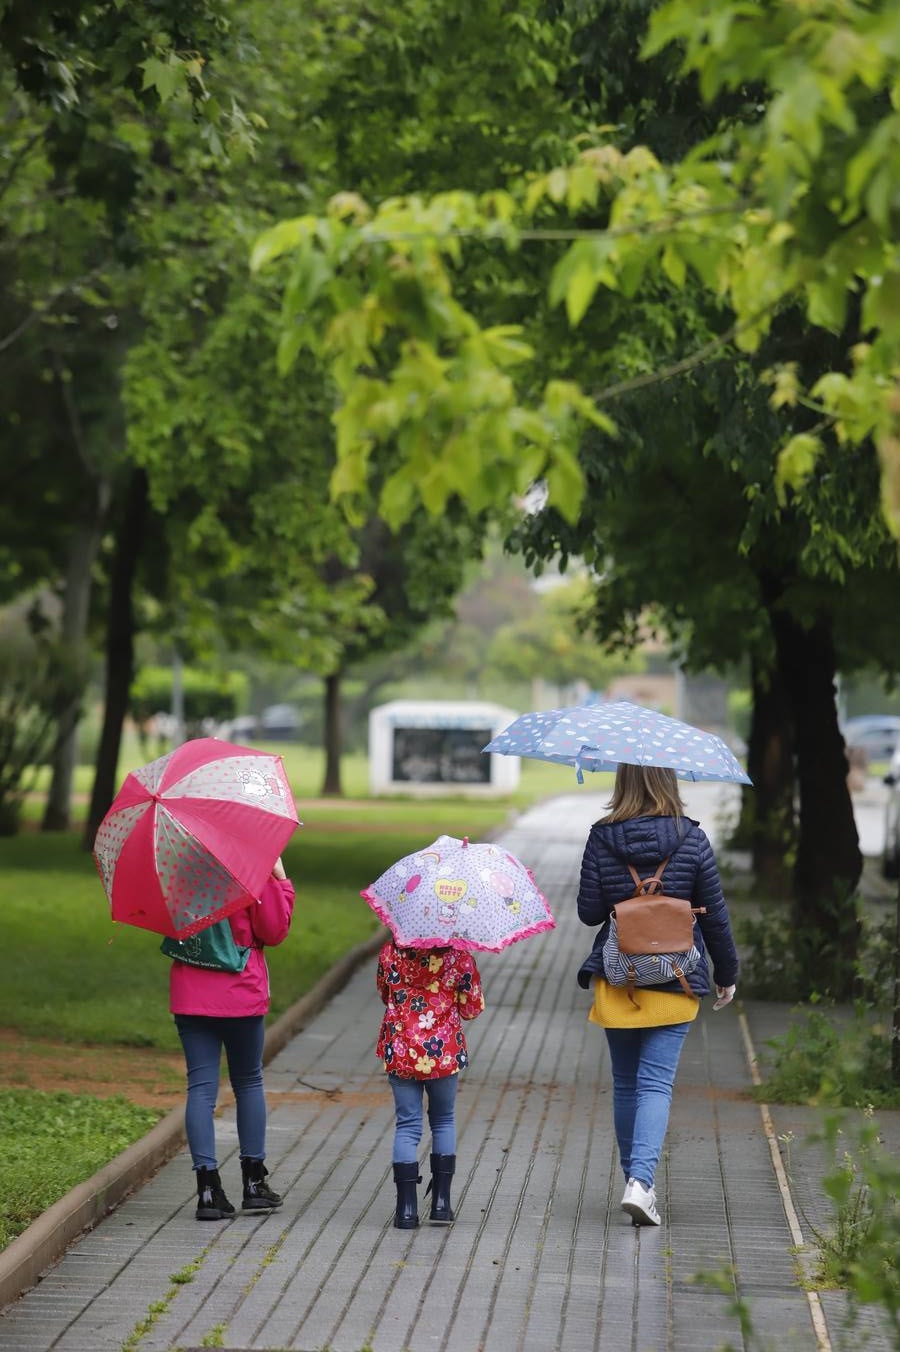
column 194, row 836
column 456, row 895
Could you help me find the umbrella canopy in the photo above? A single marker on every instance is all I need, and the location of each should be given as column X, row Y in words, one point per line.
column 603, row 736
column 193, row 836
column 453, row 894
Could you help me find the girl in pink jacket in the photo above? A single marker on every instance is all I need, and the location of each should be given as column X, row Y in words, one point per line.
column 215, row 1009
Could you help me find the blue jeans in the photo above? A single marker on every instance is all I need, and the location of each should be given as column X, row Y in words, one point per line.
column 203, row 1038
column 644, row 1062
column 408, row 1109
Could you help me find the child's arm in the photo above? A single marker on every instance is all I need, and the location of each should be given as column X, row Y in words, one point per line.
column 270, row 918
column 469, row 995
column 381, row 974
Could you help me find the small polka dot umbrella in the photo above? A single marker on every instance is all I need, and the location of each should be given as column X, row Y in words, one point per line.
column 602, row 736
column 194, row 836
column 455, row 895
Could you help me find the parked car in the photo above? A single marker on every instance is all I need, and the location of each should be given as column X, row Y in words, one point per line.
column 243, row 729
column 890, row 859
column 280, row 722
column 876, row 734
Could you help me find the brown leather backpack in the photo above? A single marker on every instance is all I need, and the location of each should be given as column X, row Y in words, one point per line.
column 651, row 937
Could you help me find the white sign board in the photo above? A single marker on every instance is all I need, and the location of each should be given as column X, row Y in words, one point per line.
column 422, row 747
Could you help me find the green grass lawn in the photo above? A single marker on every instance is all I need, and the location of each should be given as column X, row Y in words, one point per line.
column 34, row 1171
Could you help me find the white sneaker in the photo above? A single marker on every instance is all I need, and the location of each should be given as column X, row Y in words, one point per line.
column 640, row 1203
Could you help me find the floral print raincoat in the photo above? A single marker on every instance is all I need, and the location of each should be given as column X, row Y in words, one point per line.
column 427, row 992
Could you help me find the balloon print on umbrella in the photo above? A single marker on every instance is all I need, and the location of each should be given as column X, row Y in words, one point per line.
column 460, row 895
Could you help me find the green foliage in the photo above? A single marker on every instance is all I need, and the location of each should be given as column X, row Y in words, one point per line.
column 791, row 206
column 435, row 393
column 157, row 1308
column 859, row 1251
column 184, row 1276
column 876, row 963
column 826, row 1059
column 51, row 1142
column 155, row 52
column 770, row 965
column 206, row 695
column 451, row 391
column 740, row 706
column 280, row 567
column 39, row 677
column 777, row 962
column 552, row 644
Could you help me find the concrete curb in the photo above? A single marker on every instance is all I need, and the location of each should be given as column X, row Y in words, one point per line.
column 27, row 1258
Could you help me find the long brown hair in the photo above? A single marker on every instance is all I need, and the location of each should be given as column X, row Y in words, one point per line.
column 644, row 791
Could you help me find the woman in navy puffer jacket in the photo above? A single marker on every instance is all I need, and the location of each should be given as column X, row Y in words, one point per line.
column 645, row 826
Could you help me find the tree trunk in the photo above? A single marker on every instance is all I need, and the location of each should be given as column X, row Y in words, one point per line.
column 829, row 862
column 895, row 1021
column 331, row 786
column 83, row 550
column 119, row 650
column 770, row 763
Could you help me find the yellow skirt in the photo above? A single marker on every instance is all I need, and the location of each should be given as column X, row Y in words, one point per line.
column 613, row 1009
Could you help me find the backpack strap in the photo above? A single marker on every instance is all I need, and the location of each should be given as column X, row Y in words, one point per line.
column 644, row 886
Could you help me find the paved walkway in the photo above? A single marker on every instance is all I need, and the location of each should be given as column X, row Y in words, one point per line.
column 540, row 1258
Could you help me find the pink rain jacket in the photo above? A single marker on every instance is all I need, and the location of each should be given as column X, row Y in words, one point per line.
column 198, row 990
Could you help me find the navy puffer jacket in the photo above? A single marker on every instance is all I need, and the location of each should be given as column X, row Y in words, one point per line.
column 691, row 872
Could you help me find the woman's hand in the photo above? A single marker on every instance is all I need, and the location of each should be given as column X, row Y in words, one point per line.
column 725, row 994
column 278, row 870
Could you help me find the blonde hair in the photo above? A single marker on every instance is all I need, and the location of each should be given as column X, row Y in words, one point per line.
column 644, row 791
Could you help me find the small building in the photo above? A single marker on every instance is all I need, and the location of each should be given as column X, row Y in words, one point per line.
column 433, row 747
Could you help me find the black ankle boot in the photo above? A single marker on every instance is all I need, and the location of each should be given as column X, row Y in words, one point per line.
column 258, row 1196
column 443, row 1167
column 406, row 1176
column 212, row 1204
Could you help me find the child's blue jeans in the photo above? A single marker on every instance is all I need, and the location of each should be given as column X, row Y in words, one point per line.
column 203, row 1038
column 441, row 1116
column 644, row 1062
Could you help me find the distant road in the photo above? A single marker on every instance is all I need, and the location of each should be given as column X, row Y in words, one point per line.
column 715, row 806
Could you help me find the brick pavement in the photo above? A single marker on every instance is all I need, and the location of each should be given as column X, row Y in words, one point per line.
column 540, row 1258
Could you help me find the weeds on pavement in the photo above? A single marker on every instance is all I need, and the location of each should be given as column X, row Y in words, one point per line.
column 832, row 1061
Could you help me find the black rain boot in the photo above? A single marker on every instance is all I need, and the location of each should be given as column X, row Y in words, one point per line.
column 443, row 1167
column 212, row 1204
column 258, row 1196
column 406, row 1176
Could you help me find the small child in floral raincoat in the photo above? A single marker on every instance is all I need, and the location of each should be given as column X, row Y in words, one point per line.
column 427, row 991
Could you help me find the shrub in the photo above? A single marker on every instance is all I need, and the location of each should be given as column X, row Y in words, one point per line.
column 776, row 961
column 207, row 696
column 39, row 679
column 860, row 1250
column 830, row 1060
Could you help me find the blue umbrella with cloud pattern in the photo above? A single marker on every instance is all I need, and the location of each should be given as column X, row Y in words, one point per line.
column 604, row 736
